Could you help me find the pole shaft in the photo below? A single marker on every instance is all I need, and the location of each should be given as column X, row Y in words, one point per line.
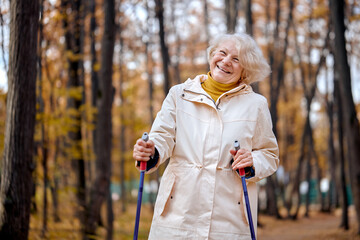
column 247, row 202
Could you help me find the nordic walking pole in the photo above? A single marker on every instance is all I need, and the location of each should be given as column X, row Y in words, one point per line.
column 242, row 175
column 144, row 137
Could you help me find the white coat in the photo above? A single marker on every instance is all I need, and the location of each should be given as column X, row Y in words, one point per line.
column 200, row 196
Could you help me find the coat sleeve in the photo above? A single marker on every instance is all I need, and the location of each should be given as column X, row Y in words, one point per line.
column 163, row 130
column 265, row 150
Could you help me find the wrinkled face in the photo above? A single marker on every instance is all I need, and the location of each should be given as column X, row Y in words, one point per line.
column 224, row 64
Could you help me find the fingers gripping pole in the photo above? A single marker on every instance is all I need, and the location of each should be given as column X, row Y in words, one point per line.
column 247, row 202
column 145, row 137
column 237, row 147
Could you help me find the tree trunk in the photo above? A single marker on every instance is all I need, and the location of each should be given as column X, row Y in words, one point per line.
column 74, row 49
column 110, row 217
column 276, row 81
column 54, row 188
column 100, row 188
column 334, row 183
column 17, row 161
column 123, row 126
column 231, row 13
column 350, row 121
column 206, row 26
column 159, row 9
column 250, row 31
column 94, row 75
column 308, row 180
column 55, row 185
column 44, row 142
column 249, row 18
column 296, row 185
column 176, row 63
column 343, row 194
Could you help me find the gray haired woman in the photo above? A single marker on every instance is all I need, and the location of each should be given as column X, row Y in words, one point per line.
column 201, row 195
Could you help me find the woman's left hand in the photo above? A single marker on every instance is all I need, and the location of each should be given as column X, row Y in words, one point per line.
column 242, row 159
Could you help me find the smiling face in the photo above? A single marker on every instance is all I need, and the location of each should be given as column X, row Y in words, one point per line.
column 224, row 64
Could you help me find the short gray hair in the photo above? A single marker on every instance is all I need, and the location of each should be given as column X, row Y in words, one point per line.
column 251, row 58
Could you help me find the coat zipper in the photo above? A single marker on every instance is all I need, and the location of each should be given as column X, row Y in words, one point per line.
column 203, row 95
column 216, row 106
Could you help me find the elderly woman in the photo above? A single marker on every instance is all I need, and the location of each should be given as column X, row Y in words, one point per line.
column 201, row 195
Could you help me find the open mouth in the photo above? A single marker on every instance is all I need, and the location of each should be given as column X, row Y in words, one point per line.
column 223, row 70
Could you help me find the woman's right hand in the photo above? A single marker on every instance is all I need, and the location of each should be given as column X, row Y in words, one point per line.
column 143, row 150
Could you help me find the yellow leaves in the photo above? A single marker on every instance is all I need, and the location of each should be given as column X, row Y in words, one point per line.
column 75, row 93
column 74, row 149
column 73, row 57
column 321, row 12
column 354, row 18
column 96, row 67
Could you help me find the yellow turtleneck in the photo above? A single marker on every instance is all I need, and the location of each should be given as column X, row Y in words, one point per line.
column 215, row 89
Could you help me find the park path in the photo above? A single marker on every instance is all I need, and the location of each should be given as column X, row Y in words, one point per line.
column 319, row 226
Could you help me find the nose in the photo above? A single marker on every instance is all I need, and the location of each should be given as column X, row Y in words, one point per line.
column 227, row 60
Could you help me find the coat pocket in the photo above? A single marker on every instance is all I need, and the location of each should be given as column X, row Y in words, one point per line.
column 165, row 190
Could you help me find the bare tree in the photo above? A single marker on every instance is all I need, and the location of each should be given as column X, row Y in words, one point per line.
column 329, row 106
column 43, row 141
column 17, row 163
column 250, row 31
column 72, row 25
column 159, row 10
column 249, row 18
column 122, row 120
column 350, row 121
column 206, row 25
column 277, row 57
column 176, row 63
column 231, row 13
column 94, row 72
column 100, row 188
column 341, row 162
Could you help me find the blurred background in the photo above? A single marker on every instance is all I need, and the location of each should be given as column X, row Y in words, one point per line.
column 104, row 68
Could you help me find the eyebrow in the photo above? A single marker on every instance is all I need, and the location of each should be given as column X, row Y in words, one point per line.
column 227, row 51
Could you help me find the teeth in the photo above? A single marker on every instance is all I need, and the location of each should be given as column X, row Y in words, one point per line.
column 223, row 70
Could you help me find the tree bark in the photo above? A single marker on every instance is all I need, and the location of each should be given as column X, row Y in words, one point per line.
column 176, row 63
column 94, row 76
column 231, row 13
column 250, row 31
column 100, row 188
column 44, row 141
column 17, row 162
column 159, row 9
column 74, row 49
column 334, row 183
column 206, row 26
column 343, row 194
column 350, row 121
column 123, row 125
column 110, row 217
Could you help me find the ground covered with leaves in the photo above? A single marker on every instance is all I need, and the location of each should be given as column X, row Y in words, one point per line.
column 317, row 226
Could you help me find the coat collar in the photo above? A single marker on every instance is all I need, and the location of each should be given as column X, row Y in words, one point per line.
column 194, row 85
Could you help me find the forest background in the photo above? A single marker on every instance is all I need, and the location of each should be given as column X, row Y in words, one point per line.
column 82, row 80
